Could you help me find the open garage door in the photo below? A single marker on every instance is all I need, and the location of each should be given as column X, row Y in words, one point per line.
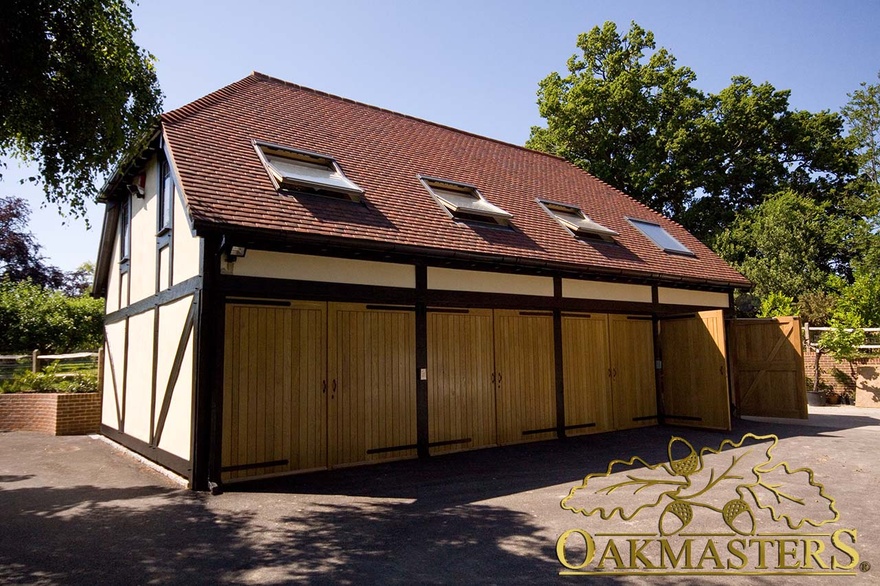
column 694, row 356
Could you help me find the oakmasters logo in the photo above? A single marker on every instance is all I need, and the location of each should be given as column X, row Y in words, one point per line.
column 734, row 510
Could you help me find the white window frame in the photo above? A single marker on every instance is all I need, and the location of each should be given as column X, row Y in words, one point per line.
column 487, row 212
column 594, row 231
column 680, row 250
column 283, row 181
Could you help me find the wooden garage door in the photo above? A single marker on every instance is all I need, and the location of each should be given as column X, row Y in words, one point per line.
column 586, row 374
column 768, row 367
column 274, row 404
column 694, row 354
column 372, row 383
column 634, row 397
column 525, row 376
column 461, row 394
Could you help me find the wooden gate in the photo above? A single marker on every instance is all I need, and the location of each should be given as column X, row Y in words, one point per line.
column 693, row 351
column 767, row 363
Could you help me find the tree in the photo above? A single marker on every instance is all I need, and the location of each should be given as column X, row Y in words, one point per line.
column 755, row 145
column 75, row 91
column 626, row 116
column 629, row 115
column 789, row 245
column 20, row 257
column 862, row 114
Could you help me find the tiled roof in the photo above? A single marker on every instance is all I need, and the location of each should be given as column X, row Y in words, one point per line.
column 225, row 184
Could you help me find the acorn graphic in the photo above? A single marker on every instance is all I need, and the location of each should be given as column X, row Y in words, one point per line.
column 687, row 465
column 675, row 517
column 739, row 517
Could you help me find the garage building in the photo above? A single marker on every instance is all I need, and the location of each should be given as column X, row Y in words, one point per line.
column 296, row 281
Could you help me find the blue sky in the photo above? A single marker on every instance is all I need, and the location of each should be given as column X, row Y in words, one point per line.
column 474, row 65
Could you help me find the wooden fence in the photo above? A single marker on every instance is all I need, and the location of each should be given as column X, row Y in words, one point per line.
column 73, row 363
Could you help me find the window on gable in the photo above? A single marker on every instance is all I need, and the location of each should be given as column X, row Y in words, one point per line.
column 125, row 230
column 166, row 197
column 659, row 236
column 576, row 221
column 306, row 172
column 465, row 202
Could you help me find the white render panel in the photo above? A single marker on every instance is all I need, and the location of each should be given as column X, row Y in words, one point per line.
column 115, row 347
column 574, row 289
column 176, row 435
column 111, row 301
column 689, row 297
column 280, row 265
column 187, row 246
column 143, row 238
column 483, row 282
column 139, row 376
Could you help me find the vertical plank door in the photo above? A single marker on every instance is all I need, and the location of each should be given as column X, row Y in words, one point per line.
column 372, row 394
column 524, row 376
column 695, row 391
column 768, row 367
column 586, row 374
column 274, row 396
column 631, row 343
column 461, row 396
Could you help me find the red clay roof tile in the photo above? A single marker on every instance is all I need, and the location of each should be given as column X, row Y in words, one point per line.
column 384, row 152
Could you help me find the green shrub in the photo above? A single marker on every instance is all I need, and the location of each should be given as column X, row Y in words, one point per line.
column 50, row 381
column 32, row 317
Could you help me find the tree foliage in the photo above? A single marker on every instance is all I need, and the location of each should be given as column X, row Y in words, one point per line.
column 788, row 244
column 33, row 317
column 75, row 90
column 862, row 114
column 20, row 256
column 627, row 113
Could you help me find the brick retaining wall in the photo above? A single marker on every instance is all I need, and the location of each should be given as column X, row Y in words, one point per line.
column 55, row 413
column 860, row 379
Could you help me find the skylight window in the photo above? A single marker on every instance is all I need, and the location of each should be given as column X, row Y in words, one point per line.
column 575, row 220
column 304, row 171
column 465, row 202
column 659, row 236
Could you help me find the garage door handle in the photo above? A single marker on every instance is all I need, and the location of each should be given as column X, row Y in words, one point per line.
column 324, row 387
column 333, row 392
column 499, row 378
column 615, row 372
column 493, row 378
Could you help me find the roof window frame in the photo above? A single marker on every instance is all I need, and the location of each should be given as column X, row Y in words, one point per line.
column 683, row 251
column 501, row 217
column 350, row 190
column 601, row 235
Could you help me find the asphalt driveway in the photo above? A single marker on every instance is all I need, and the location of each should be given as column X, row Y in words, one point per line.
column 76, row 510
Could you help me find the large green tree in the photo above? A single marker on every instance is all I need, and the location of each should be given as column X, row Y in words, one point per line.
column 790, row 245
column 75, row 91
column 627, row 113
column 862, row 114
